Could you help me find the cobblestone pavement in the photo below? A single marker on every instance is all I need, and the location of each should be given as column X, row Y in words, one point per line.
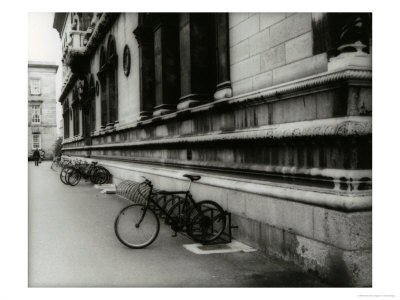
column 72, row 244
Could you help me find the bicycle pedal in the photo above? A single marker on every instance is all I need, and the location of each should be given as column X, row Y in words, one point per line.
column 175, row 234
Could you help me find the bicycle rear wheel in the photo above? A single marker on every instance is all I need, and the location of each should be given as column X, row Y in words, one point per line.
column 208, row 223
column 73, row 177
column 136, row 226
column 100, row 176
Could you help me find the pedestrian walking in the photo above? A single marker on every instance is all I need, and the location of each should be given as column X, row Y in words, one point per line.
column 36, row 156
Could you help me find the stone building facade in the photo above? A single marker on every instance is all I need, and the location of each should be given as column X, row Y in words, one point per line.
column 42, row 130
column 274, row 110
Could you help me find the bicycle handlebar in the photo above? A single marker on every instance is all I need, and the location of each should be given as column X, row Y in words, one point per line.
column 147, row 181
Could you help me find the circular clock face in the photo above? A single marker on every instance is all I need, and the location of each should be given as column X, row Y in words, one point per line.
column 97, row 88
column 127, row 60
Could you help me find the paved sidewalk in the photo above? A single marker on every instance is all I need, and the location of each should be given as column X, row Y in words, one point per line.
column 72, row 244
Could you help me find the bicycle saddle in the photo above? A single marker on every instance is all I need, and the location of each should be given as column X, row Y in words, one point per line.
column 192, row 177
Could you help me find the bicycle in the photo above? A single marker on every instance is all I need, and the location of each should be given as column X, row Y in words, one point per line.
column 93, row 172
column 73, row 171
column 137, row 225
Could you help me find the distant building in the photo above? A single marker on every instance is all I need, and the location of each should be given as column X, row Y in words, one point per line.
column 42, row 127
column 274, row 110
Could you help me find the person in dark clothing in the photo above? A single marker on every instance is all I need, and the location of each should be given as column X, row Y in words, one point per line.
column 36, row 156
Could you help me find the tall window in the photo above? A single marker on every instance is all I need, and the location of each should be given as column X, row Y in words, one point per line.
column 66, row 118
column 36, row 141
column 112, row 83
column 103, row 88
column 75, row 111
column 92, row 96
column 35, row 114
column 109, row 84
column 35, row 86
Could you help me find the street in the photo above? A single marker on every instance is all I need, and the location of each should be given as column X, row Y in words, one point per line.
column 72, row 244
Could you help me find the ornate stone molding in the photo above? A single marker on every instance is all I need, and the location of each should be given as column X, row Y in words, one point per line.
column 78, row 54
column 68, row 84
column 302, row 84
column 345, row 127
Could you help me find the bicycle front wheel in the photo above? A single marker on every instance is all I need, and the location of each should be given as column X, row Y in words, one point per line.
column 136, row 226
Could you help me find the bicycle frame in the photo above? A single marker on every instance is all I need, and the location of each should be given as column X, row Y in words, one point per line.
column 188, row 199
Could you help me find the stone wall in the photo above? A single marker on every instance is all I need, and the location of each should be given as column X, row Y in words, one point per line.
column 267, row 49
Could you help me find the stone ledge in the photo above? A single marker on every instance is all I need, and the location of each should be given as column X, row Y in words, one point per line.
column 336, row 127
column 343, row 201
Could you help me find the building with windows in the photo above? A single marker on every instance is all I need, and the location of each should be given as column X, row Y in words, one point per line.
column 42, row 131
column 273, row 110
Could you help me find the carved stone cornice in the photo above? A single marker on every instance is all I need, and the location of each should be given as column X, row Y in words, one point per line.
column 75, row 57
column 308, row 83
column 101, row 29
column 343, row 127
column 69, row 82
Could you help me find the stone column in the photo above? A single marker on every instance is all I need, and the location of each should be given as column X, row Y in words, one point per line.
column 224, row 88
column 144, row 36
column 197, row 58
column 166, row 63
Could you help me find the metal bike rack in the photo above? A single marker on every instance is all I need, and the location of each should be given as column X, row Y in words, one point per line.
column 129, row 190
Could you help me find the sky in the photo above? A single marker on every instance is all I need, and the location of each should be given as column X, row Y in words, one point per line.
column 43, row 40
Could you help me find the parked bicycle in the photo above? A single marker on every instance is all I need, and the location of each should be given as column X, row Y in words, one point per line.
column 88, row 171
column 73, row 171
column 138, row 225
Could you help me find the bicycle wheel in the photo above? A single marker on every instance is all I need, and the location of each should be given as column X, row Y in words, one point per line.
column 208, row 223
column 64, row 173
column 73, row 177
column 100, row 176
column 133, row 234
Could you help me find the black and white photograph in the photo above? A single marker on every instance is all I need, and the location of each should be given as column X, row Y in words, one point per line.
column 203, row 149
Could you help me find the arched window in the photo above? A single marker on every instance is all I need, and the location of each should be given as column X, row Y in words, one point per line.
column 66, row 118
column 75, row 111
column 103, row 87
column 112, row 84
column 109, row 84
column 92, row 100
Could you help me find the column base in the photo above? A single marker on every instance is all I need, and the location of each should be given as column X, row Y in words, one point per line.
column 163, row 110
column 192, row 100
column 224, row 90
column 350, row 60
column 144, row 115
